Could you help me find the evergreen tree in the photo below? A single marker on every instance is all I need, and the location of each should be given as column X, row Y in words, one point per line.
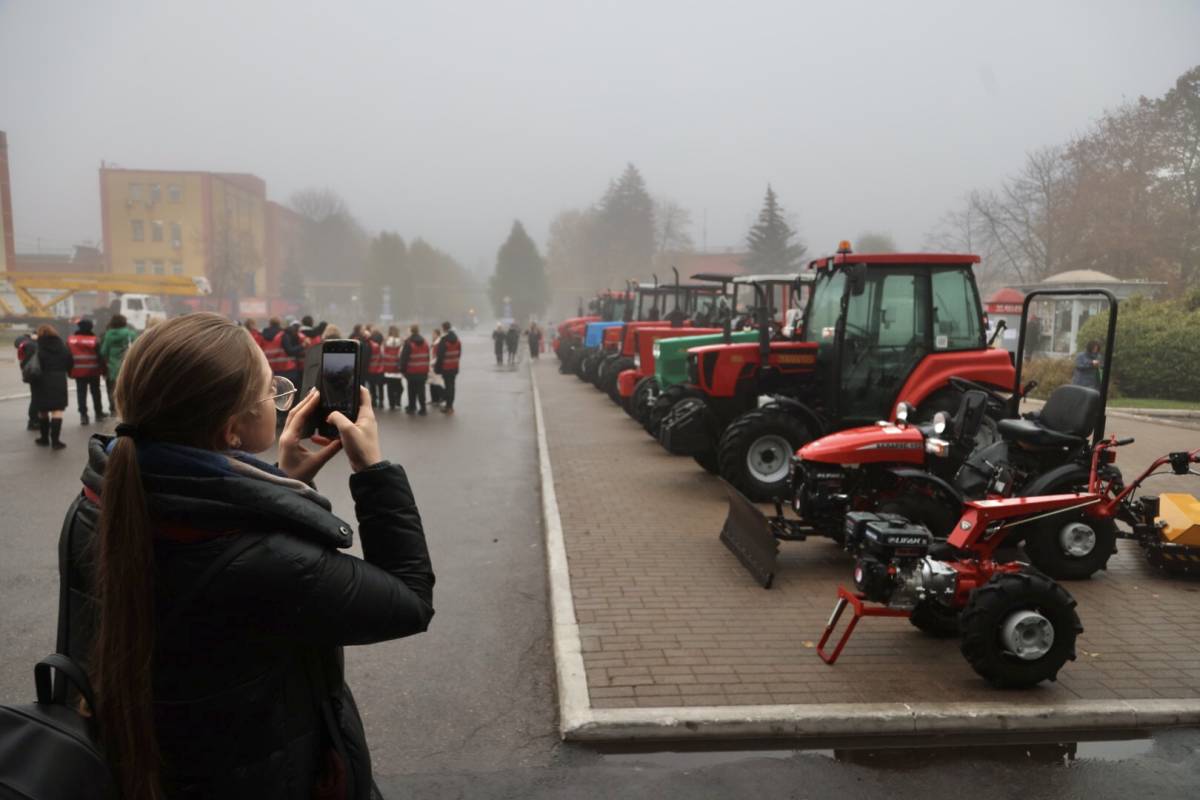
column 770, row 240
column 625, row 230
column 520, row 275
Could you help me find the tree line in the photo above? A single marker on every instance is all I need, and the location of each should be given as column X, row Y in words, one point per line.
column 1123, row 197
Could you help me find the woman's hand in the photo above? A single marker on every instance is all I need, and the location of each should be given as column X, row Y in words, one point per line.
column 295, row 459
column 361, row 438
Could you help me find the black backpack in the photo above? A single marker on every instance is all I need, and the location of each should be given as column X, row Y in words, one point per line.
column 48, row 750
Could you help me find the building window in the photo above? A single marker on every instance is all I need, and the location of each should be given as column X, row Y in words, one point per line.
column 176, row 268
column 135, row 193
column 158, row 267
column 139, row 267
column 175, row 193
column 156, row 230
column 155, row 193
column 138, row 230
column 176, row 235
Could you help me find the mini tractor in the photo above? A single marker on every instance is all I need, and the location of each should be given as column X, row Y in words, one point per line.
column 877, row 328
column 1017, row 625
column 926, row 471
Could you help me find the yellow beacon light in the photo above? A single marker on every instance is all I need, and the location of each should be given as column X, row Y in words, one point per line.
column 844, row 246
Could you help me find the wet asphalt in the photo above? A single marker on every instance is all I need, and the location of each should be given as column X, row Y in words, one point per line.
column 468, row 709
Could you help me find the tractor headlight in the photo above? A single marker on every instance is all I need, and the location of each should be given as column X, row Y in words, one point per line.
column 637, row 361
column 941, row 421
column 903, row 411
column 693, row 370
column 655, row 350
column 937, row 447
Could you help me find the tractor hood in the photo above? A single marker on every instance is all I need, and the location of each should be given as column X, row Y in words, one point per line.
column 870, row 444
column 574, row 325
column 595, row 331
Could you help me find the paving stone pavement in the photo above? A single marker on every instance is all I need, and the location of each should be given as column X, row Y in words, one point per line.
column 668, row 617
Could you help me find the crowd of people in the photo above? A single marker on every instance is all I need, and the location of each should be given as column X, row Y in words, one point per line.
column 506, row 342
column 391, row 360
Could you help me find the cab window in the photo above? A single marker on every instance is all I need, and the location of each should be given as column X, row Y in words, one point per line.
column 956, row 323
column 133, row 303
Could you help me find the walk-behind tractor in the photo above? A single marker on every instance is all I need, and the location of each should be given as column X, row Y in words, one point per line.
column 878, row 328
column 926, row 471
column 1017, row 626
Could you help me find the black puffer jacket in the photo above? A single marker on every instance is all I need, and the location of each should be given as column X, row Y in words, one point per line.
column 239, row 671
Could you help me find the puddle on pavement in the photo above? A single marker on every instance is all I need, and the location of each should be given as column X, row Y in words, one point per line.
column 899, row 754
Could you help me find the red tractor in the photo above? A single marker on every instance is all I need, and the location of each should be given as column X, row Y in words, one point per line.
column 878, row 328
column 568, row 344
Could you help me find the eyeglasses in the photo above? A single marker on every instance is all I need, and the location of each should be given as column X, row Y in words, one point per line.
column 283, row 393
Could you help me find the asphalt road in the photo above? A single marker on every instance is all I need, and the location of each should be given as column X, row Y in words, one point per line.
column 467, row 709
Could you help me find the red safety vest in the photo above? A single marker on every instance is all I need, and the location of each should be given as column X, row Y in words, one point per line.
column 375, row 362
column 313, row 341
column 418, row 359
column 450, row 355
column 277, row 357
column 256, row 335
column 391, row 358
column 83, row 350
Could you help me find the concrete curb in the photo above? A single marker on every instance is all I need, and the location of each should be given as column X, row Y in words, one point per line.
column 18, row 396
column 579, row 722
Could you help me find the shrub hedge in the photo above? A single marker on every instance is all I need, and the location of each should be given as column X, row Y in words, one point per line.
column 1158, row 347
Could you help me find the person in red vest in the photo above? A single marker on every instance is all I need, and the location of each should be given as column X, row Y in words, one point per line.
column 313, row 334
column 414, row 363
column 449, row 352
column 393, row 378
column 86, row 369
column 272, row 346
column 375, row 369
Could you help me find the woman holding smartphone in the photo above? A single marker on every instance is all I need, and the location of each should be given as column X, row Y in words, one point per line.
column 207, row 593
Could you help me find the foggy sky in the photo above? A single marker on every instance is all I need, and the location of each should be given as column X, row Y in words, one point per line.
column 450, row 119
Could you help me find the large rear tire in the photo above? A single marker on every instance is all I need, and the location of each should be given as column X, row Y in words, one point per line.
column 709, row 461
column 588, row 366
column 1071, row 546
column 1019, row 629
column 935, row 619
column 755, row 450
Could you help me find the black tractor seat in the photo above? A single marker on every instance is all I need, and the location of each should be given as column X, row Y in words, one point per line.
column 1066, row 420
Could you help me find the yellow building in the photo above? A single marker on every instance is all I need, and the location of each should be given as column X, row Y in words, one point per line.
column 170, row 222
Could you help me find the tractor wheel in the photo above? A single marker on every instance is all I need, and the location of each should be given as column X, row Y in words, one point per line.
column 610, row 383
column 1019, row 629
column 602, row 367
column 587, row 367
column 642, row 398
column 1071, row 547
column 567, row 360
column 709, row 461
column 935, row 619
column 755, row 451
column 663, row 404
column 577, row 366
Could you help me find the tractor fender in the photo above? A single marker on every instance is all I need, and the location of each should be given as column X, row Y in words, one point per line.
column 921, row 476
column 815, row 423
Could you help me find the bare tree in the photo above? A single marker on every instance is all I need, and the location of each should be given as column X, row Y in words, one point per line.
column 875, row 242
column 319, row 204
column 672, row 228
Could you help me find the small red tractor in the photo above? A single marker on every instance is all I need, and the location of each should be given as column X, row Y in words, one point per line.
column 1017, row 626
column 878, row 328
column 568, row 343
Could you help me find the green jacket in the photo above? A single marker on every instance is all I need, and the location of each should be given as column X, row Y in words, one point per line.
column 113, row 346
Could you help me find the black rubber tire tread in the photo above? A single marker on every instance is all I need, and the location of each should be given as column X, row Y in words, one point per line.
column 935, row 619
column 638, row 407
column 602, row 367
column 741, row 433
column 1041, row 545
column 988, row 607
column 709, row 462
column 611, row 384
column 665, row 402
column 587, row 367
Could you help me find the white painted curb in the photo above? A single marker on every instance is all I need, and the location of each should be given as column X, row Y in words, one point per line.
column 578, row 721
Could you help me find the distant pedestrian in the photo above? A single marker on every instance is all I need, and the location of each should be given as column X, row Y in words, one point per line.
column 86, row 370
column 113, row 346
column 255, row 333
column 414, row 363
column 437, row 386
column 449, row 355
column 498, row 339
column 26, row 346
column 512, row 340
column 332, row 332
column 1087, row 366
column 534, row 335
column 293, row 346
column 393, row 378
column 49, row 388
column 375, row 369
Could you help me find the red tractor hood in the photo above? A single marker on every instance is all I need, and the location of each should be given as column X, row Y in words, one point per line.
column 870, row 444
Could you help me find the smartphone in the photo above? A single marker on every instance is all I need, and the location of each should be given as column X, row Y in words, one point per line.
column 336, row 371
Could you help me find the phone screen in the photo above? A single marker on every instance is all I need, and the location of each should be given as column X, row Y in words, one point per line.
column 338, row 385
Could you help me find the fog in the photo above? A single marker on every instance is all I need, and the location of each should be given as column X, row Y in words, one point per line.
column 449, row 120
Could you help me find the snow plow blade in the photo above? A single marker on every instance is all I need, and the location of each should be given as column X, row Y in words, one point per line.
column 749, row 535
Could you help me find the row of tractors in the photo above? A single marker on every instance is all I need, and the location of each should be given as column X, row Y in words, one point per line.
column 962, row 513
